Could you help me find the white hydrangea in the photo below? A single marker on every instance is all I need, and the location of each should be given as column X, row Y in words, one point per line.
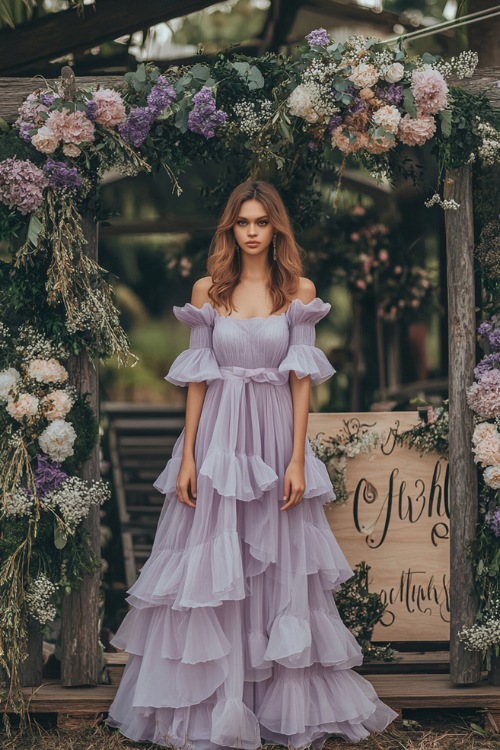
column 300, row 104
column 47, row 371
column 364, row 75
column 8, row 380
column 39, row 599
column 17, row 503
column 24, row 405
column 57, row 440
column 492, row 477
column 387, row 117
column 74, row 497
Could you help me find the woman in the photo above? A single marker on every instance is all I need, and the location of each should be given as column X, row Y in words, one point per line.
column 234, row 636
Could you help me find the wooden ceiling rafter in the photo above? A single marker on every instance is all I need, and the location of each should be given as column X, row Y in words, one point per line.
column 66, row 32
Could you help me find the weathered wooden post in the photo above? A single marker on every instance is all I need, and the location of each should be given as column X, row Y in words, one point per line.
column 80, row 611
column 465, row 666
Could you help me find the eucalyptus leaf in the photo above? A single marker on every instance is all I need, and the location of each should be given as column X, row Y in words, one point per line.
column 255, row 78
column 200, row 72
column 60, row 539
column 409, row 101
column 34, row 228
column 4, row 125
column 445, row 117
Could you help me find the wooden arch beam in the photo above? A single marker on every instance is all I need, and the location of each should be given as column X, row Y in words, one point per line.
column 66, row 31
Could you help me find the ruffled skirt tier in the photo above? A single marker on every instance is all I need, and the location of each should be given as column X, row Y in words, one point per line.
column 233, row 633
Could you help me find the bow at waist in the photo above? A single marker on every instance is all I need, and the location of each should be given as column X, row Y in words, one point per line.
column 258, row 374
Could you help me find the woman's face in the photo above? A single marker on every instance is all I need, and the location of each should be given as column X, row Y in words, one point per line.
column 253, row 230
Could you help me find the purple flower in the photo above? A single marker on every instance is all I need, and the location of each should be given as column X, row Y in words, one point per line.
column 358, row 105
column 335, row 122
column 25, row 129
column 47, row 99
column 491, row 331
column 135, row 130
column 91, row 110
column 318, row 38
column 204, row 116
column 313, row 146
column 61, row 176
column 161, row 95
column 490, row 362
column 21, row 185
column 392, row 94
column 48, row 476
column 492, row 518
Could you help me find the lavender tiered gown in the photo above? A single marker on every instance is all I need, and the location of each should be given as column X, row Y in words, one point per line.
column 233, row 632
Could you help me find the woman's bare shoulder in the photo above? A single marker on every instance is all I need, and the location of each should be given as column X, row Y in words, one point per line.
column 306, row 290
column 199, row 294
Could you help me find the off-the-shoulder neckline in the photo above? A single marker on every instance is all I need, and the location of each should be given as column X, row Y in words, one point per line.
column 256, row 317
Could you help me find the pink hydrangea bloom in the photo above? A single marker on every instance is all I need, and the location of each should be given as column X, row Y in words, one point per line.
column 430, row 91
column 71, row 127
column 21, row 185
column 483, row 397
column 110, row 108
column 416, row 132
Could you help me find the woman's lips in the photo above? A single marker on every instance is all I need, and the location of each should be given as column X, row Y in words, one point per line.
column 253, row 244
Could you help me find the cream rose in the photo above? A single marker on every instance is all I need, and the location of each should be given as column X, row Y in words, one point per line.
column 394, row 73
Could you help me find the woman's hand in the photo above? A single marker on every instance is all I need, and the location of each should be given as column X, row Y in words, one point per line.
column 294, row 484
column 186, row 482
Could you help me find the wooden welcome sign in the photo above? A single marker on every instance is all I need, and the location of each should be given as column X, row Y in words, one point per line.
column 397, row 520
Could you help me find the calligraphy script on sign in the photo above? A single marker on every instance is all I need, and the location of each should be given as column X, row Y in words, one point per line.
column 397, row 520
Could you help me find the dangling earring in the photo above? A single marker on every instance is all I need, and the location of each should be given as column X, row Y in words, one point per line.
column 237, row 248
column 274, row 247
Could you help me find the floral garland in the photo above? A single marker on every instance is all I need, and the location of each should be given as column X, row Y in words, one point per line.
column 352, row 439
column 431, row 434
column 359, row 98
column 47, row 432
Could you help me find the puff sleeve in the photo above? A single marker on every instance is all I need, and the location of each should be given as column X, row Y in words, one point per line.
column 198, row 362
column 303, row 357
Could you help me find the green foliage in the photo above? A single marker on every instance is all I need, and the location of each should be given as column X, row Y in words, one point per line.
column 86, row 427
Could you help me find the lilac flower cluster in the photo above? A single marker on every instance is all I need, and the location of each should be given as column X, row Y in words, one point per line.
column 47, row 99
column 135, row 130
column 489, row 362
column 62, row 177
column 318, row 38
column 490, row 329
column 21, row 185
column 91, row 110
column 161, row 95
column 204, row 116
column 492, row 518
column 393, row 94
column 335, row 122
column 48, row 476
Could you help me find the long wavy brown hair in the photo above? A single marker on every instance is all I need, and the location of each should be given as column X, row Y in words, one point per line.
column 224, row 263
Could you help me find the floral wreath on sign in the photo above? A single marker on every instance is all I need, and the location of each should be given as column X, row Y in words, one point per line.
column 359, row 98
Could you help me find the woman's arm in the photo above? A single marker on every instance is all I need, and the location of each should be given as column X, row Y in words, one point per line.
column 186, row 480
column 294, row 484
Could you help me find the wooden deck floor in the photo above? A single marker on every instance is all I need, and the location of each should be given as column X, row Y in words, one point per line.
column 400, row 691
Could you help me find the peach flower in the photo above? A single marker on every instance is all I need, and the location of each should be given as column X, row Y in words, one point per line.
column 45, row 140
column 71, row 127
column 430, row 91
column 57, row 404
column 416, row 132
column 364, row 75
column 25, row 405
column 110, row 108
